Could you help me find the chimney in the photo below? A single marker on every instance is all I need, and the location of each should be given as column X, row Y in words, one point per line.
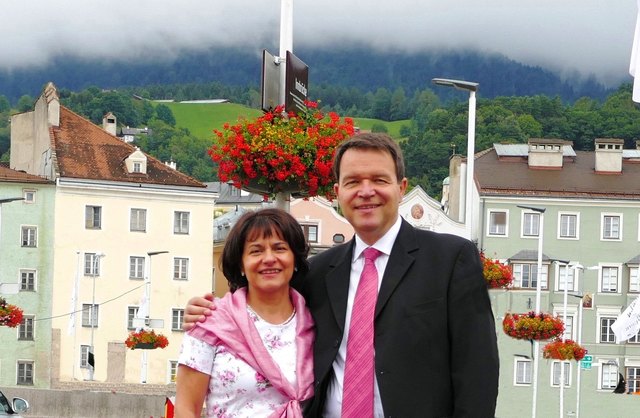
column 171, row 164
column 609, row 155
column 546, row 153
column 109, row 123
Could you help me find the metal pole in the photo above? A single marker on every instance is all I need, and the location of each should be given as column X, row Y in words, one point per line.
column 92, row 313
column 282, row 200
column 536, row 344
column 147, row 293
column 564, row 321
column 471, row 141
column 579, row 373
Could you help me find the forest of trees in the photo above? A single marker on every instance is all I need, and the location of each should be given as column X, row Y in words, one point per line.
column 433, row 129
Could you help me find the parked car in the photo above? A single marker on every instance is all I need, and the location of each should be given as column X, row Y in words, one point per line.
column 11, row 410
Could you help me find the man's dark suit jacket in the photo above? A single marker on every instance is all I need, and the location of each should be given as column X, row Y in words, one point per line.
column 435, row 339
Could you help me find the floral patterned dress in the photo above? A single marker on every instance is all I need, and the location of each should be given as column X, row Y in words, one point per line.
column 235, row 388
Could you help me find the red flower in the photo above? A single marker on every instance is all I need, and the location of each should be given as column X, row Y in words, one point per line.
column 532, row 326
column 10, row 315
column 563, row 350
column 146, row 337
column 496, row 274
column 280, row 151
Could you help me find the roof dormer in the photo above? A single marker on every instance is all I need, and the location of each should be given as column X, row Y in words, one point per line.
column 136, row 163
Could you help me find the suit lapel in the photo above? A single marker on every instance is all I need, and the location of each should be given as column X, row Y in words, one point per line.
column 337, row 283
column 399, row 262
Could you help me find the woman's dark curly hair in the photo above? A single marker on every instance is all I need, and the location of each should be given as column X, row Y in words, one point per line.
column 262, row 223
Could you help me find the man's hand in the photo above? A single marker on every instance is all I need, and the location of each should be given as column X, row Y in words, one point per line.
column 197, row 310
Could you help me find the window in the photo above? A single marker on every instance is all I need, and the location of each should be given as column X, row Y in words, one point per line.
column 29, row 196
column 137, row 167
column 609, row 282
column 635, row 339
column 132, row 311
column 25, row 329
column 611, row 227
column 25, row 373
column 29, row 236
column 177, row 316
column 181, row 223
column 523, row 372
column 608, row 376
column 180, row 268
column 634, row 279
column 633, row 379
column 138, row 222
column 91, row 264
column 566, row 278
column 27, row 280
column 136, row 267
column 93, row 217
column 556, row 371
column 310, row 232
column 173, row 370
column 525, row 275
column 568, row 226
column 84, row 356
column 89, row 315
column 497, row 223
column 530, row 224
column 606, row 334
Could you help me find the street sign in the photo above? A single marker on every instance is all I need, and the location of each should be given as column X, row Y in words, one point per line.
column 587, row 359
column 585, row 363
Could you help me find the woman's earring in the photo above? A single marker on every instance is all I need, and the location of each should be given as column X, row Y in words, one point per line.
column 295, row 269
column 242, row 273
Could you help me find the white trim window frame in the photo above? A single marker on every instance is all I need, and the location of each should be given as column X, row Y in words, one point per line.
column 93, row 217
column 570, row 331
column 498, row 225
column 136, row 267
column 173, row 371
column 634, row 278
column 177, row 318
column 180, row 268
column 569, row 225
column 29, row 236
column 29, row 195
column 181, row 220
column 526, row 273
column 609, row 278
column 530, row 224
column 555, row 373
column 28, row 280
column 522, row 372
column 605, row 317
column 566, row 274
column 608, row 376
column 611, row 226
column 138, row 220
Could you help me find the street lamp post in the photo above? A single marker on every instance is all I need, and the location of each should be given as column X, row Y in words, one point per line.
column 92, row 311
column 286, row 44
column 536, row 343
column 152, row 323
column 471, row 87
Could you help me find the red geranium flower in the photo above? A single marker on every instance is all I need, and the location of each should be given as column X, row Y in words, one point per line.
column 10, row 315
column 563, row 350
column 496, row 274
column 282, row 152
column 146, row 337
column 532, row 326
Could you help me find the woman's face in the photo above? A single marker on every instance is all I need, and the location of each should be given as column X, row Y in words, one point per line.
column 268, row 263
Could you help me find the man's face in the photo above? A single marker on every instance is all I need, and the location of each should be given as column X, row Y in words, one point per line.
column 369, row 193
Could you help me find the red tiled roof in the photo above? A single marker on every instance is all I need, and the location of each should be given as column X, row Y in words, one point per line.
column 576, row 178
column 14, row 176
column 84, row 150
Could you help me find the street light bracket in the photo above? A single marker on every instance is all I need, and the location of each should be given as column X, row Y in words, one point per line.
column 533, row 208
column 152, row 253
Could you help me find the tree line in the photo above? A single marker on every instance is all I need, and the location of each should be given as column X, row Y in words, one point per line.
column 433, row 129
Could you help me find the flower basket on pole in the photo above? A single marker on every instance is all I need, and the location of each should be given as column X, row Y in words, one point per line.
column 563, row 350
column 532, row 326
column 10, row 315
column 496, row 274
column 147, row 340
column 279, row 152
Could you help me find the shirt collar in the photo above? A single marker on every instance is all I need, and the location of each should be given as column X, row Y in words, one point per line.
column 384, row 244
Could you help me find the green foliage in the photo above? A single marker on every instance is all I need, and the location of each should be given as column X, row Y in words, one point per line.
column 202, row 118
column 165, row 114
column 25, row 103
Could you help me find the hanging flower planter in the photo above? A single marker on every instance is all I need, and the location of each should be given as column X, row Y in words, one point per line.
column 279, row 152
column 496, row 274
column 10, row 315
column 146, row 340
column 532, row 326
column 563, row 350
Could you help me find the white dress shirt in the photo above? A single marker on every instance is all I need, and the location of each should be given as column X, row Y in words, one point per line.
column 333, row 404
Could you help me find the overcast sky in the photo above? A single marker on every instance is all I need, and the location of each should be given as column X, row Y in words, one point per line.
column 590, row 36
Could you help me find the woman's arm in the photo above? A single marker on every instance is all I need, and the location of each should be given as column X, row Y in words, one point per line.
column 191, row 390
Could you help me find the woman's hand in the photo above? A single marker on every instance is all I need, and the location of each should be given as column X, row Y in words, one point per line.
column 197, row 310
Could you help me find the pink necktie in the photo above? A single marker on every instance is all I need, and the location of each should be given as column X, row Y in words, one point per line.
column 357, row 399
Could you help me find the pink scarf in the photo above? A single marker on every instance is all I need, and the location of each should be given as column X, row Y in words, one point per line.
column 230, row 325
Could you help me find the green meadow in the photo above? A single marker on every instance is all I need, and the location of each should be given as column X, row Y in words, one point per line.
column 202, row 118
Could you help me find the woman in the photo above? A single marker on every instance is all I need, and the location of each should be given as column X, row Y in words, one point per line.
column 253, row 356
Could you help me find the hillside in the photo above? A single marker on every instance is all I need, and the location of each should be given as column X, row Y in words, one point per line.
column 354, row 66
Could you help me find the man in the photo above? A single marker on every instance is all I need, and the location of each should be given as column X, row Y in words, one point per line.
column 433, row 337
